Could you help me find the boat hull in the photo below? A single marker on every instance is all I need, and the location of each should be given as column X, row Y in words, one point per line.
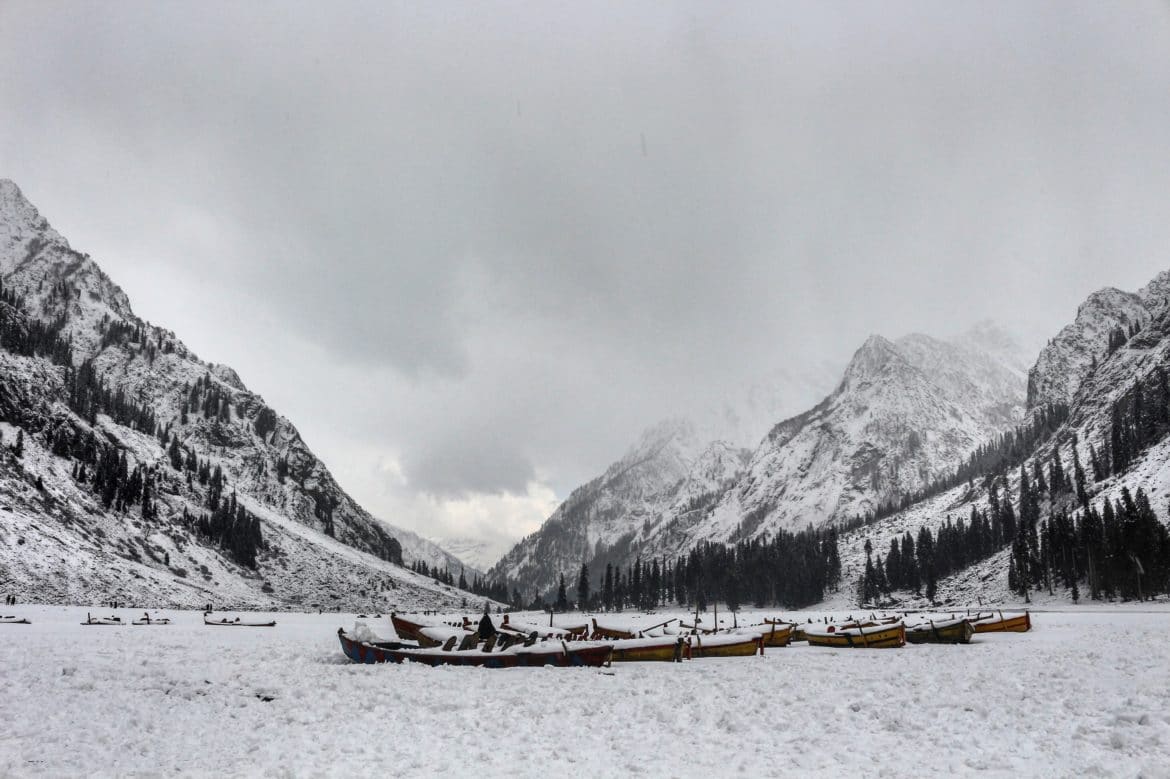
column 409, row 630
column 704, row 646
column 951, row 632
column 777, row 635
column 642, row 650
column 998, row 623
column 558, row 655
column 879, row 637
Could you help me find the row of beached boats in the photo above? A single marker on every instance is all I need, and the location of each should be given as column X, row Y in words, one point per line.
column 513, row 643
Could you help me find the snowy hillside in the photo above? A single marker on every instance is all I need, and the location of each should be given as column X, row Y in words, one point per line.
column 128, row 440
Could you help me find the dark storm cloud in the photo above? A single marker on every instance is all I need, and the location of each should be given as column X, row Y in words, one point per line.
column 494, row 241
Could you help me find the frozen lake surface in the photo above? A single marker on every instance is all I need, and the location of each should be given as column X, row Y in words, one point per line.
column 1085, row 693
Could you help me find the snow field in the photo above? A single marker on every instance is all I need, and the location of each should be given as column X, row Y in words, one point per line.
column 1083, row 694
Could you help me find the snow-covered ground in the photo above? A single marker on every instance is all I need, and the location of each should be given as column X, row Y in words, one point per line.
column 1083, row 694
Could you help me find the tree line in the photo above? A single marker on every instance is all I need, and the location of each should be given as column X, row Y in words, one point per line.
column 789, row 570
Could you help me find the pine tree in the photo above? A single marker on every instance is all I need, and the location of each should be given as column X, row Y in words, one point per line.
column 562, row 602
column 583, row 588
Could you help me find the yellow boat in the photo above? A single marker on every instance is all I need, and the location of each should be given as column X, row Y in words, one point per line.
column 663, row 649
column 726, row 645
column 956, row 630
column 875, row 637
column 997, row 622
column 777, row 633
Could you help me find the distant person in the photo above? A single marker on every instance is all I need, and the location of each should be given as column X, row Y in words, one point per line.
column 486, row 628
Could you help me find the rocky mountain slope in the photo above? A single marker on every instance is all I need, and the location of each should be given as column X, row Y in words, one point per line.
column 127, row 440
column 1118, row 342
column 904, row 413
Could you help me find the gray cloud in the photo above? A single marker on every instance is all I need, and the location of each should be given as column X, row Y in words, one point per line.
column 441, row 228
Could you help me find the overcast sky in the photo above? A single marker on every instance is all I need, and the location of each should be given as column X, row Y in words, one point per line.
column 472, row 249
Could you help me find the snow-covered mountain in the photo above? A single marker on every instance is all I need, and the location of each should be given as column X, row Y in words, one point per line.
column 669, row 467
column 1117, row 341
column 81, row 379
column 904, row 413
column 474, row 552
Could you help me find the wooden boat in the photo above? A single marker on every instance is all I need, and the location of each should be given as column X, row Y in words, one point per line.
column 957, row 630
column 611, row 631
column 875, row 637
column 370, row 651
column 14, row 621
column 149, row 620
column 776, row 633
column 90, row 620
column 726, row 644
column 554, row 653
column 665, row 649
column 408, row 628
column 236, row 623
column 579, row 630
column 998, row 622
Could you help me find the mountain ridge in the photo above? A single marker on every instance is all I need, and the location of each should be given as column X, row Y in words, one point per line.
column 208, row 419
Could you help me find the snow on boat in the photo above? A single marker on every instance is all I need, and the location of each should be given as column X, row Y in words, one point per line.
column 554, row 653
column 542, row 631
column 14, row 621
column 998, row 622
column 91, row 620
column 955, row 630
column 617, row 631
column 726, row 644
column 438, row 635
column 578, row 630
column 236, row 623
column 612, row 631
column 872, row 637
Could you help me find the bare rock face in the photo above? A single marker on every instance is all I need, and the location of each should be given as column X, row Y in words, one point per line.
column 319, row 544
column 1075, row 352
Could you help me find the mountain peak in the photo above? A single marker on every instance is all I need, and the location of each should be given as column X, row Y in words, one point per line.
column 875, row 354
column 1072, row 355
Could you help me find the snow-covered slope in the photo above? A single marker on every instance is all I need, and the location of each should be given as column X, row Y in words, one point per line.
column 72, row 545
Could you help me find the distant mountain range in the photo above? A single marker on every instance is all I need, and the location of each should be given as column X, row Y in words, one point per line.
column 902, row 414
column 873, row 457
column 132, row 470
